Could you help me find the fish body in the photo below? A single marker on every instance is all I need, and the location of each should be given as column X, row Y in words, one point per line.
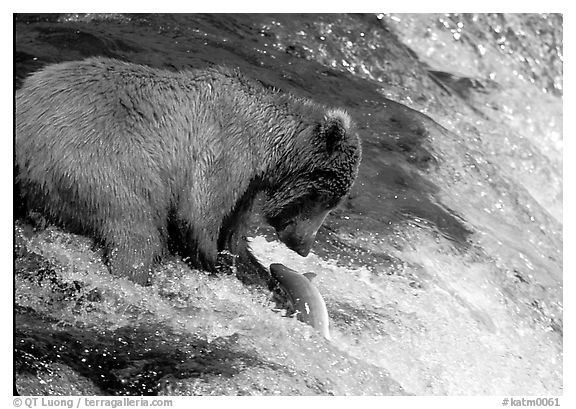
column 303, row 297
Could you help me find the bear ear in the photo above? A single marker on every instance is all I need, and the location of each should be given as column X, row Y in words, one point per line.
column 335, row 128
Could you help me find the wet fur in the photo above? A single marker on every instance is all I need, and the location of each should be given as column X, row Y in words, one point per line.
column 138, row 158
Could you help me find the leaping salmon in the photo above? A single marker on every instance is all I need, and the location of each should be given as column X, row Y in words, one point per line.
column 303, row 297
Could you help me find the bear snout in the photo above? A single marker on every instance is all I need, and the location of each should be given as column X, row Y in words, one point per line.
column 295, row 242
column 299, row 234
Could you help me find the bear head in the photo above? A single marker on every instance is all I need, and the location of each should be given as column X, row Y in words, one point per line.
column 324, row 159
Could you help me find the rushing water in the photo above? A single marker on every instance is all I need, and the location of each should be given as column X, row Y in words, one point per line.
column 442, row 272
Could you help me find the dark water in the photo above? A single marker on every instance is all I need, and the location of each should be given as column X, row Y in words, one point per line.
column 442, row 273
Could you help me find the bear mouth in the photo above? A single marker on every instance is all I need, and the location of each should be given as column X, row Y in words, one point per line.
column 300, row 233
column 296, row 244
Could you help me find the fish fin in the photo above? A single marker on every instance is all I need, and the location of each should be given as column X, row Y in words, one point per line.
column 309, row 276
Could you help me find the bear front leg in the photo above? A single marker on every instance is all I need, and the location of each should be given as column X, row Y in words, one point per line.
column 131, row 250
column 250, row 271
column 232, row 239
column 196, row 246
column 248, row 268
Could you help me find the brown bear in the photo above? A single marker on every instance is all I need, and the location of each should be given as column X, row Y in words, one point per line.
column 139, row 157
